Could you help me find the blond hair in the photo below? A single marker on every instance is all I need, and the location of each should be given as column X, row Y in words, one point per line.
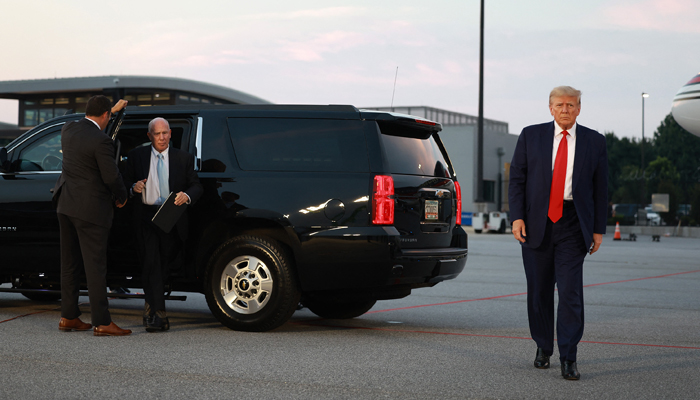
column 565, row 91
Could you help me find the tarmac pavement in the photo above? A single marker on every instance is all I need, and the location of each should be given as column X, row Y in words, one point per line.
column 463, row 339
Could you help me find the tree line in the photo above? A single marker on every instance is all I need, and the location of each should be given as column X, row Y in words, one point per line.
column 671, row 165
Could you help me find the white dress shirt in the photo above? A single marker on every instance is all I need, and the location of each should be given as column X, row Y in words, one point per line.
column 93, row 121
column 151, row 193
column 571, row 147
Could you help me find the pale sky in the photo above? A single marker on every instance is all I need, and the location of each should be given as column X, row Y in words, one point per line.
column 332, row 52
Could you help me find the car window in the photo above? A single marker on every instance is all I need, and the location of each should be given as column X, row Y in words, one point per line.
column 289, row 144
column 44, row 154
column 413, row 156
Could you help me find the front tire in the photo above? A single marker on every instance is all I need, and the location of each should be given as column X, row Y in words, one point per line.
column 250, row 285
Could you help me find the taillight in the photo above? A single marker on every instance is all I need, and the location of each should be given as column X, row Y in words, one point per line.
column 425, row 122
column 458, row 189
column 382, row 201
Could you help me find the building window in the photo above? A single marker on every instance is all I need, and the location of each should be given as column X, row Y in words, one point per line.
column 45, row 114
column 31, row 117
column 489, row 191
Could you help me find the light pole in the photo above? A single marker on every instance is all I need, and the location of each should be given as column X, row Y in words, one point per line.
column 479, row 200
column 644, row 96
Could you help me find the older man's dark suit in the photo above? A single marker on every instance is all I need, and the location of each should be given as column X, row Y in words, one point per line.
column 85, row 194
column 554, row 253
column 156, row 253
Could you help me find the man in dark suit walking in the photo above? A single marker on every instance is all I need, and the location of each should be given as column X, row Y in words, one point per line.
column 558, row 190
column 152, row 172
column 89, row 184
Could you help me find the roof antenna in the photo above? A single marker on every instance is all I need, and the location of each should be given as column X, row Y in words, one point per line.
column 394, row 92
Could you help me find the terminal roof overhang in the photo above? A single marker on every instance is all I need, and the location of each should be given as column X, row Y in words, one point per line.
column 20, row 89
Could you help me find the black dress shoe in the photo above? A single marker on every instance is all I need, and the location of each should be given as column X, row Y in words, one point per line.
column 542, row 360
column 157, row 324
column 569, row 371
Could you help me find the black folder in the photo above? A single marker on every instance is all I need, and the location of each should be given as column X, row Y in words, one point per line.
column 168, row 214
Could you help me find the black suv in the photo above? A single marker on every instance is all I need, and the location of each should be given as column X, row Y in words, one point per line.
column 330, row 206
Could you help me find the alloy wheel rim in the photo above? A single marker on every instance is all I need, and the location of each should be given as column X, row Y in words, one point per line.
column 246, row 284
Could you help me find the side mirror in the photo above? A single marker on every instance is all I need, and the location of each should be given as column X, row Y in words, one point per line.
column 4, row 164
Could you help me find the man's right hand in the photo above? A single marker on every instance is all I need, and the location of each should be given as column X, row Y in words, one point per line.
column 117, row 107
column 139, row 186
column 519, row 230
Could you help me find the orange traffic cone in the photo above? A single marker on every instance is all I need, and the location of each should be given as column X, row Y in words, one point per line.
column 617, row 232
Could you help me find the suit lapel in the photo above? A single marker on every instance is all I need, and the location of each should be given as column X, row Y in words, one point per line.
column 546, row 154
column 171, row 156
column 579, row 155
column 146, row 162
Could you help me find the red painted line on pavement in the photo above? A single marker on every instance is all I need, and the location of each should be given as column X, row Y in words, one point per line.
column 641, row 279
column 311, row 323
column 25, row 315
column 449, row 302
column 511, row 337
column 521, row 294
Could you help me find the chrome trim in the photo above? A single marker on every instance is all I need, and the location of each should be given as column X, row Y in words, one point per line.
column 30, row 173
column 198, row 144
column 34, row 134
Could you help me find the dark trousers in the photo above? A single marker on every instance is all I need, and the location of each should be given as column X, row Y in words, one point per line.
column 84, row 244
column 559, row 260
column 157, row 254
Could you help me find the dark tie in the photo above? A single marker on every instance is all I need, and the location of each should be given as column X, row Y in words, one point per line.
column 556, row 193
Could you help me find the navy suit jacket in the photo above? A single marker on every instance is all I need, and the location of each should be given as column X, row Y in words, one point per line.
column 182, row 178
column 531, row 179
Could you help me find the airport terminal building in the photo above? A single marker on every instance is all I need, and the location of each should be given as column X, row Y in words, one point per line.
column 42, row 99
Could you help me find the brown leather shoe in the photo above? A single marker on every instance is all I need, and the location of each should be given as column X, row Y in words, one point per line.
column 75, row 324
column 110, row 330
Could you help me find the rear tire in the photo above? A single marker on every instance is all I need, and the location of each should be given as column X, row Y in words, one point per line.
column 330, row 309
column 250, row 286
column 502, row 228
column 477, row 230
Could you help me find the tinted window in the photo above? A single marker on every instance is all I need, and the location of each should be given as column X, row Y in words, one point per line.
column 43, row 154
column 412, row 156
column 282, row 144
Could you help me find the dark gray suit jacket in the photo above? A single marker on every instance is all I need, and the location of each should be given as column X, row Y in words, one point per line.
column 90, row 181
column 531, row 179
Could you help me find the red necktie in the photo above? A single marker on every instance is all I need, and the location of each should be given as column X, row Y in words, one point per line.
column 556, row 193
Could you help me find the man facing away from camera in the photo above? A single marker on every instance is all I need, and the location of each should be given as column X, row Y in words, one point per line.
column 85, row 194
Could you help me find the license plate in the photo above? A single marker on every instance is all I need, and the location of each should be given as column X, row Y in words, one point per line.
column 431, row 209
